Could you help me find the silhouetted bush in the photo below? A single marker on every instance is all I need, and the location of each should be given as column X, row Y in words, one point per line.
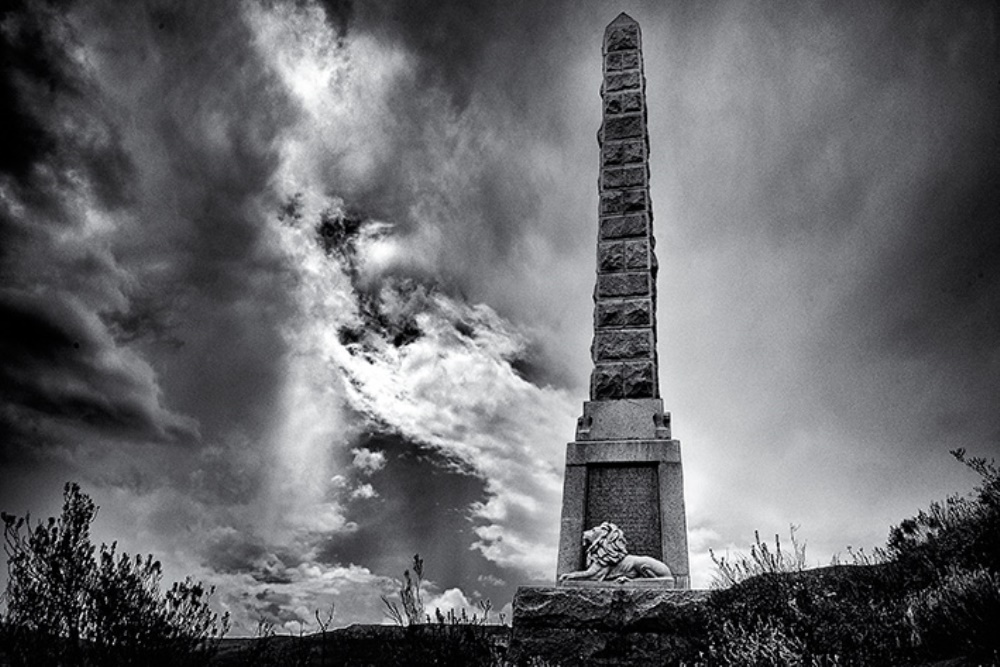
column 64, row 606
column 959, row 612
column 933, row 593
column 961, row 532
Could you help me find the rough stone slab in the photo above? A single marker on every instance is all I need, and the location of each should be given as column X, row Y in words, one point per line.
column 625, row 152
column 624, row 127
column 621, row 60
column 637, row 255
column 603, row 625
column 608, row 607
column 618, row 202
column 624, row 227
column 610, row 257
column 623, row 103
column 639, row 380
column 623, row 284
column 631, row 60
column 635, row 201
column 627, row 344
column 607, row 382
column 633, row 313
column 623, row 81
column 629, row 177
column 611, row 381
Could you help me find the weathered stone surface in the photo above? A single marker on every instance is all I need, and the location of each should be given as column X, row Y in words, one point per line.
column 635, row 419
column 620, row 202
column 623, row 103
column 628, row 177
column 622, row 81
column 622, row 227
column 571, row 520
column 635, row 313
column 610, row 257
column 622, row 284
column 639, row 380
column 627, row 495
column 610, row 345
column 630, row 59
column 637, row 255
column 621, row 60
column 626, row 152
column 611, row 607
column 604, row 626
column 606, row 382
column 624, row 127
column 635, row 201
column 623, row 451
column 621, row 36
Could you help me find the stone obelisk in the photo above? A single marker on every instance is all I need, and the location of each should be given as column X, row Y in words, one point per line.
column 624, row 467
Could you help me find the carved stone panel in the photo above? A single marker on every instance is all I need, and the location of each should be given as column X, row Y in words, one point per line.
column 627, row 495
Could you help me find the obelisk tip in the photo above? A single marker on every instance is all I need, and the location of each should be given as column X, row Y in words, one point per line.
column 622, row 33
column 623, row 19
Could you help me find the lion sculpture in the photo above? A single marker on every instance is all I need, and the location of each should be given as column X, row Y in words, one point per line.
column 608, row 559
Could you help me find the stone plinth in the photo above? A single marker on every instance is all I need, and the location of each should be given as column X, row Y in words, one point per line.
column 636, row 484
column 603, row 625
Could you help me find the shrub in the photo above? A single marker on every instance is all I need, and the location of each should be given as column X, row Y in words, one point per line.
column 932, row 593
column 765, row 644
column 959, row 612
column 961, row 532
column 761, row 560
column 409, row 594
column 66, row 607
column 846, row 612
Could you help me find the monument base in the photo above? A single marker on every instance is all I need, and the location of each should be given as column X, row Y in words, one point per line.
column 660, row 584
column 608, row 624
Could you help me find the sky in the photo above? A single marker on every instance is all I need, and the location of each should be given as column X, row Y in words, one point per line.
column 296, row 290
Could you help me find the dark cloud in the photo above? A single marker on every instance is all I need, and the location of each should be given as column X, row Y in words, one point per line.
column 34, row 68
column 466, row 47
column 54, row 371
column 194, row 254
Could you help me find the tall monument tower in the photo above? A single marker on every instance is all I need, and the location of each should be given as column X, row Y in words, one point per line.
column 623, row 466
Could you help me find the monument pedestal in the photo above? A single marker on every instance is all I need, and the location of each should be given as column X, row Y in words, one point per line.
column 603, row 624
column 625, row 469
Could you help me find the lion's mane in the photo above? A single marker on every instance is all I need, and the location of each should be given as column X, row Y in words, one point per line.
column 609, row 548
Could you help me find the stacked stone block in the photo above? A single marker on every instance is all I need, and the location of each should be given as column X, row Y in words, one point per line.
column 624, row 349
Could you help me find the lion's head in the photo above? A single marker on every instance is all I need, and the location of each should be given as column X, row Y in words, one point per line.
column 605, row 544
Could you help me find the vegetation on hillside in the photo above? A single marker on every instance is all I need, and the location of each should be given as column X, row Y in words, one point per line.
column 67, row 605
column 933, row 593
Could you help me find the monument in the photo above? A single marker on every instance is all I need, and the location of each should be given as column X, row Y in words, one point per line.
column 623, row 467
column 623, row 585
